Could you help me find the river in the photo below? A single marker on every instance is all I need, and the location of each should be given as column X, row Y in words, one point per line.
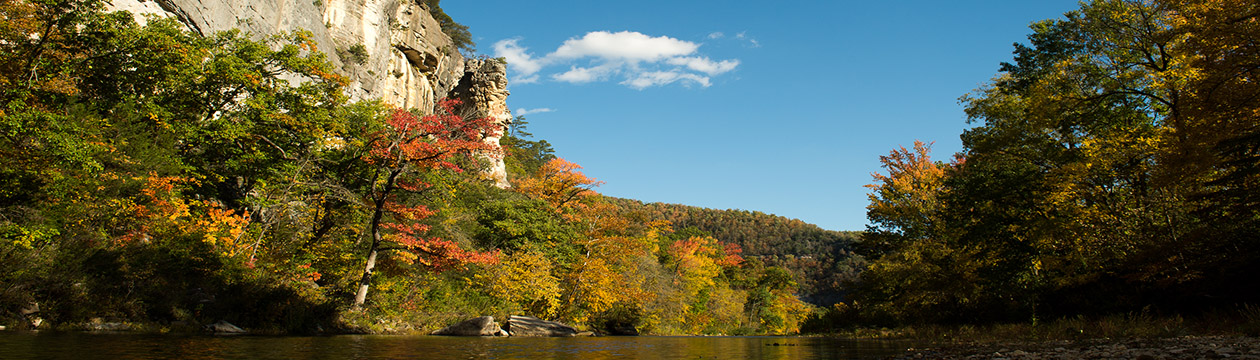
column 80, row 346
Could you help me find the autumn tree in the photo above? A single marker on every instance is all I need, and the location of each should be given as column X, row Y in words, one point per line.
column 144, row 155
column 1222, row 118
column 1106, row 159
column 1106, row 179
column 396, row 155
column 698, row 264
column 915, row 269
column 47, row 153
column 526, row 279
column 559, row 183
column 903, row 203
column 771, row 306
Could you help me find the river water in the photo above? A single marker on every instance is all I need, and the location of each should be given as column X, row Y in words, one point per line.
column 78, row 346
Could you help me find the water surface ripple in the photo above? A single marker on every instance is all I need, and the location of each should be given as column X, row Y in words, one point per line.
column 80, row 346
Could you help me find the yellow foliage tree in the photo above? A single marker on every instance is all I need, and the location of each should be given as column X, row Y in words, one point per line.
column 903, row 202
column 525, row 278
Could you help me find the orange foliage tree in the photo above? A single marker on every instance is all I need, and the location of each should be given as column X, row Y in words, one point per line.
column 559, row 183
column 904, row 201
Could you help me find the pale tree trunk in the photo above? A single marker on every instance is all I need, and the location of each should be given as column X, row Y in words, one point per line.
column 368, row 268
column 377, row 214
column 366, row 281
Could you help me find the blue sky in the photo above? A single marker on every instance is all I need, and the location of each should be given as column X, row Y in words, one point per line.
column 780, row 107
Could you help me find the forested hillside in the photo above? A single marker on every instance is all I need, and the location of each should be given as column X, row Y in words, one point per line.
column 822, row 261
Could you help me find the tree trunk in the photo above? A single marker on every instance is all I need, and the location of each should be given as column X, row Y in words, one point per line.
column 366, row 281
column 378, row 212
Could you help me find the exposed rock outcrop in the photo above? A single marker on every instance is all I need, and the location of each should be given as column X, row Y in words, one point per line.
column 224, row 327
column 106, row 326
column 409, row 62
column 479, row 326
column 31, row 313
column 535, row 327
column 483, row 91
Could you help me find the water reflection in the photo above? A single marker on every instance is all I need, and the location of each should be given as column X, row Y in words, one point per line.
column 127, row 346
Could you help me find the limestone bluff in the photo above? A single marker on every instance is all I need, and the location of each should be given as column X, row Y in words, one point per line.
column 409, row 63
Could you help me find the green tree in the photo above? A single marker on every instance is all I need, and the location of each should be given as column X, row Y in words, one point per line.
column 457, row 32
column 128, row 151
column 524, row 157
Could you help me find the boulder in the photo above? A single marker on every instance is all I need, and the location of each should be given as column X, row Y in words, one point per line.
column 479, row 326
column 98, row 324
column 535, row 327
column 107, row 326
column 31, row 313
column 30, row 310
column 224, row 327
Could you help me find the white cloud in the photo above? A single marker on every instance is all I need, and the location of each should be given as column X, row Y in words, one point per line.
column 658, row 78
column 638, row 60
column 526, row 79
column 625, row 45
column 517, row 58
column 704, row 65
column 523, row 112
column 743, row 35
column 579, row 75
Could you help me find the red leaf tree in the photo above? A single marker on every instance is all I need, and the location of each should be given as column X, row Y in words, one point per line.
column 397, row 156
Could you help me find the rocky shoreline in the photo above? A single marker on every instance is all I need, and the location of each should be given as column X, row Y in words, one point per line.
column 521, row 326
column 1188, row 347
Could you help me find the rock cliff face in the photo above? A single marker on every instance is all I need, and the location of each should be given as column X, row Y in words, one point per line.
column 483, row 91
column 391, row 50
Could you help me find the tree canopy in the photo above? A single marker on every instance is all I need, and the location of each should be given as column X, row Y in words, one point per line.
column 1110, row 168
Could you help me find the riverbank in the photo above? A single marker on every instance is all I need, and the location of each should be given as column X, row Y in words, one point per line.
column 1233, row 334
column 1243, row 321
column 1186, row 347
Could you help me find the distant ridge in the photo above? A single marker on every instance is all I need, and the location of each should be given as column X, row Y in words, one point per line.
column 821, row 259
